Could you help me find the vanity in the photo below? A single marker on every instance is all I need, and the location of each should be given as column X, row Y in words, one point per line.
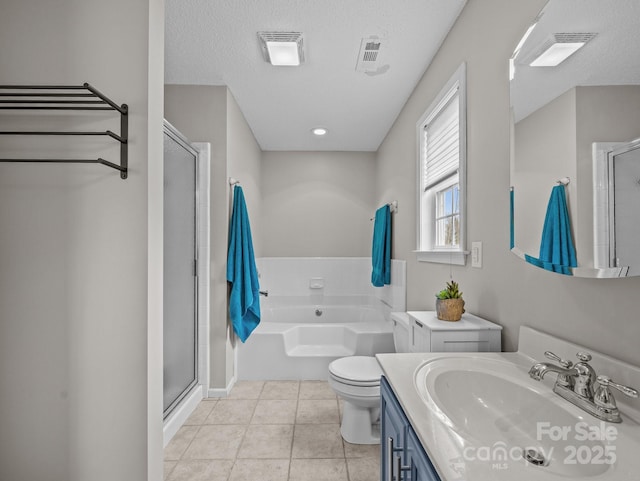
column 482, row 416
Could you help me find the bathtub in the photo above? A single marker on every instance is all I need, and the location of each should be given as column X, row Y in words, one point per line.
column 298, row 340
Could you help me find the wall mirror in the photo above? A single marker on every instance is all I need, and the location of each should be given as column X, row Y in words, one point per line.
column 578, row 123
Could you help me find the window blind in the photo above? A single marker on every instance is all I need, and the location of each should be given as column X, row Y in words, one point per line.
column 442, row 143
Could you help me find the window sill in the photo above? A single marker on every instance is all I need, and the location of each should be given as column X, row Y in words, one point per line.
column 457, row 258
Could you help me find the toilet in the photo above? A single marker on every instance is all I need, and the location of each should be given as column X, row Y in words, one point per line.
column 356, row 379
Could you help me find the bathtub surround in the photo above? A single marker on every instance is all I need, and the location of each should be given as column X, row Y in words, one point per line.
column 319, row 309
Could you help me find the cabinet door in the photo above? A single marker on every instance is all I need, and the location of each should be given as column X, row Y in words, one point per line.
column 393, row 429
column 421, row 468
column 420, row 337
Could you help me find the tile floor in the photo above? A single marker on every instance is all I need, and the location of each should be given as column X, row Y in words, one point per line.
column 269, row 431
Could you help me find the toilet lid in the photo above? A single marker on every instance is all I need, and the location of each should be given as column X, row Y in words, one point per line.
column 362, row 369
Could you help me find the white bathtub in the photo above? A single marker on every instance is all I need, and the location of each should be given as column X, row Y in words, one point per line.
column 298, row 341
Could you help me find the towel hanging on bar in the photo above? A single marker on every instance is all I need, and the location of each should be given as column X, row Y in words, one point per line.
column 244, row 299
column 381, row 247
column 557, row 252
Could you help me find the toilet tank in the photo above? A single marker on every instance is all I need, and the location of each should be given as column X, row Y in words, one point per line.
column 400, row 322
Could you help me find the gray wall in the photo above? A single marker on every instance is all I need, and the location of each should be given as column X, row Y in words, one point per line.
column 318, row 203
column 600, row 314
column 81, row 254
column 243, row 164
column 211, row 114
column 545, row 150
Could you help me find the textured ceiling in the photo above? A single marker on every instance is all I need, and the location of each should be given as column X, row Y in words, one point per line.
column 611, row 58
column 214, row 42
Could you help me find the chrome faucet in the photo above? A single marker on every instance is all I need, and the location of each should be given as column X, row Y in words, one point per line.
column 576, row 384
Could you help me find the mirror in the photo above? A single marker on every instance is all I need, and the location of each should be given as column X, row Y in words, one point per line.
column 576, row 123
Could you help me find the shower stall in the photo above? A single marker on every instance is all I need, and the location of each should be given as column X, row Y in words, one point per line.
column 186, row 277
column 180, row 338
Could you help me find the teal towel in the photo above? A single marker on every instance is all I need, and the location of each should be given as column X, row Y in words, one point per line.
column 381, row 248
column 244, row 300
column 557, row 252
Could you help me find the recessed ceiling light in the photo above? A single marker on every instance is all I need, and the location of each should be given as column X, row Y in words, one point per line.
column 319, row 131
column 282, row 48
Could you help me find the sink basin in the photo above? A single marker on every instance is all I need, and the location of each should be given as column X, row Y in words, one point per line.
column 501, row 414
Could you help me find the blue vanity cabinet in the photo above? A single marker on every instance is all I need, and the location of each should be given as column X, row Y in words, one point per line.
column 420, row 466
column 402, row 452
column 393, row 432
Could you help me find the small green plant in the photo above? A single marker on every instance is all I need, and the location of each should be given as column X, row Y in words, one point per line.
column 452, row 291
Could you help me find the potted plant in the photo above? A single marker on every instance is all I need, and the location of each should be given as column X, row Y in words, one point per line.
column 449, row 303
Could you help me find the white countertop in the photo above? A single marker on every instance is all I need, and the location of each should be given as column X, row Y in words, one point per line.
column 448, row 450
column 467, row 322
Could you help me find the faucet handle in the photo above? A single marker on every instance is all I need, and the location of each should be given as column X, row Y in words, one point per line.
column 563, row 362
column 605, row 402
column 583, row 356
column 626, row 390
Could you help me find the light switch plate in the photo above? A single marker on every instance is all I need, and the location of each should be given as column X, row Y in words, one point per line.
column 476, row 254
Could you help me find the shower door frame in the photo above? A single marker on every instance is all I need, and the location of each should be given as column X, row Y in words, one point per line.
column 177, row 417
column 177, row 412
column 178, row 138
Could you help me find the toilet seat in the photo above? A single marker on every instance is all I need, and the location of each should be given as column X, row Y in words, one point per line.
column 363, row 371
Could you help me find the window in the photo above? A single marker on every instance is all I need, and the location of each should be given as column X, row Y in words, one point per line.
column 441, row 163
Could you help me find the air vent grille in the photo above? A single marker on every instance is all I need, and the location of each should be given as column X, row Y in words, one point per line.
column 562, row 37
column 573, row 37
column 369, row 53
column 280, row 36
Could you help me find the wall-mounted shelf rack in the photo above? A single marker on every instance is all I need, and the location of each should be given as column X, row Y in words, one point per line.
column 84, row 97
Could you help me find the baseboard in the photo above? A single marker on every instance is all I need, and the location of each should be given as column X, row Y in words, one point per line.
column 180, row 414
column 222, row 392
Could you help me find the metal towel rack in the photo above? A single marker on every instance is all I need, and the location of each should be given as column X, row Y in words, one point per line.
column 66, row 97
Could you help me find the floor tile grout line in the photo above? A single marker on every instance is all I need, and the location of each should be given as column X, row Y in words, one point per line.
column 189, row 444
column 344, row 448
column 293, row 434
column 246, row 430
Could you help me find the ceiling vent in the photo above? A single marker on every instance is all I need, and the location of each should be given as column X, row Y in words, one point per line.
column 282, row 48
column 369, row 56
column 573, row 37
column 557, row 48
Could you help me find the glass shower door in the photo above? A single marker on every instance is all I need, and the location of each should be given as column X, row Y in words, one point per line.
column 626, row 203
column 180, row 281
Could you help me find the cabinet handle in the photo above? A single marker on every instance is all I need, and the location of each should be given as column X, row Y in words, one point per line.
column 389, row 459
column 398, row 462
column 400, row 468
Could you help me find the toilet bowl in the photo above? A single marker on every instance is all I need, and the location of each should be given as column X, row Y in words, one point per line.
column 356, row 380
